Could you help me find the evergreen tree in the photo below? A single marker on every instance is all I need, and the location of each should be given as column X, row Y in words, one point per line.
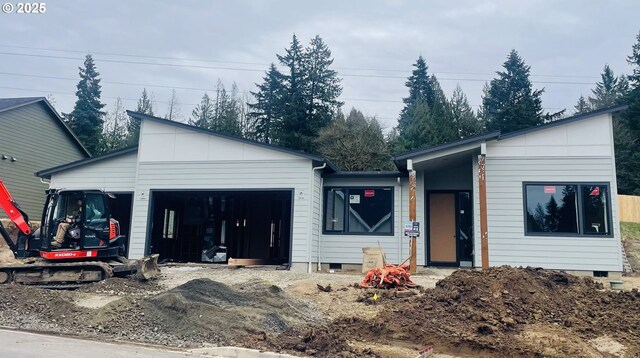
column 582, row 106
column 511, row 103
column 552, row 218
column 173, row 108
column 293, row 132
column 114, row 131
column 609, row 91
column 265, row 111
column 203, row 115
column 465, row 121
column 627, row 132
column 426, row 118
column 226, row 117
column 310, row 91
column 145, row 106
column 321, row 87
column 86, row 119
column 355, row 143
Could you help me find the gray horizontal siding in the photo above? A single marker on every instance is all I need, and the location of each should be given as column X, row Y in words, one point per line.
column 507, row 243
column 116, row 174
column 291, row 174
column 38, row 141
column 347, row 249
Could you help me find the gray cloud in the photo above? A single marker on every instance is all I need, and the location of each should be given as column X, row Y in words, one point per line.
column 464, row 42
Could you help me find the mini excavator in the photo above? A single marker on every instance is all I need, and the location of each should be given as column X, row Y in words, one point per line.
column 92, row 248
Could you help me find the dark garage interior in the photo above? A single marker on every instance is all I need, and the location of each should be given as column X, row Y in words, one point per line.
column 121, row 207
column 214, row 226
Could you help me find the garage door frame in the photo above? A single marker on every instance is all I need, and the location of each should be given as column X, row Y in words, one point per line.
column 148, row 239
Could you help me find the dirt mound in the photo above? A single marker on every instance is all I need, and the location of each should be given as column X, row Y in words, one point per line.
column 500, row 311
column 122, row 286
column 318, row 342
column 203, row 310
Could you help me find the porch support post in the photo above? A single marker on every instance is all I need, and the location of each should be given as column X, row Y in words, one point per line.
column 413, row 250
column 484, row 233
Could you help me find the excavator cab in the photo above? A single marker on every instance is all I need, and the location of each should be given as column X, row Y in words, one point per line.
column 90, row 227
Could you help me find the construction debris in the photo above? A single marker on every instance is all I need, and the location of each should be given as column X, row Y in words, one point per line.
column 389, row 276
column 326, row 288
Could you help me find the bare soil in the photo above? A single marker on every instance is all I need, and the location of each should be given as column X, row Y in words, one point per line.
column 500, row 312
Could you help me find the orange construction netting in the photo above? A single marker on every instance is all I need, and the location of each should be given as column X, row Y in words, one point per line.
column 389, row 276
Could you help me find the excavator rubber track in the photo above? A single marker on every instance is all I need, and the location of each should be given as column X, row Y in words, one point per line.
column 39, row 272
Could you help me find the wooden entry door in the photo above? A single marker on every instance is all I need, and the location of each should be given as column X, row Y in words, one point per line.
column 442, row 229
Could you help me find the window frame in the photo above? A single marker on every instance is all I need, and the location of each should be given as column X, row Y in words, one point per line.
column 580, row 204
column 345, row 215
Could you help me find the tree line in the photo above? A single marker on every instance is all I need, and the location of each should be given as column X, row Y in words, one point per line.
column 296, row 105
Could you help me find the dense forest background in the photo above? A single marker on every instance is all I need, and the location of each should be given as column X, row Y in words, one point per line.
column 297, row 105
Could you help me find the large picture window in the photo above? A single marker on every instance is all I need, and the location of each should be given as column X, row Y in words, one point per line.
column 359, row 211
column 567, row 209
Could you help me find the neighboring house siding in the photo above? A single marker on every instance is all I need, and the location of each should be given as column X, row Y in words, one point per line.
column 38, row 141
column 116, row 174
column 177, row 159
column 577, row 152
column 347, row 249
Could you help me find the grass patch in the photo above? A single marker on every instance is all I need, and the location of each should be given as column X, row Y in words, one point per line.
column 631, row 242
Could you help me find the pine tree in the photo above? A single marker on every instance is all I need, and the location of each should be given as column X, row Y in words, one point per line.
column 145, row 106
column 609, row 91
column 226, row 111
column 173, row 108
column 582, row 106
column 426, row 118
column 203, row 115
column 511, row 103
column 355, row 143
column 114, row 130
column 86, row 119
column 322, row 86
column 627, row 132
column 310, row 91
column 265, row 112
column 293, row 132
column 466, row 122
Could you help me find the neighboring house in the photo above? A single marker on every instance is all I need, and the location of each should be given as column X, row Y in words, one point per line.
column 203, row 196
column 32, row 137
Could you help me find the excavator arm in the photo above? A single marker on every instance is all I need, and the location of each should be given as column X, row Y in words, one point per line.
column 13, row 211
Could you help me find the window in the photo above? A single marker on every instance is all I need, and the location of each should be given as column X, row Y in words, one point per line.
column 360, row 211
column 169, row 223
column 95, row 212
column 567, row 209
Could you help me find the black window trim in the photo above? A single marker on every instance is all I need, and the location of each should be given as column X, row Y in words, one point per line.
column 345, row 230
column 580, row 232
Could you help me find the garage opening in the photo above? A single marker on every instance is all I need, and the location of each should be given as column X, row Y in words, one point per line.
column 121, row 207
column 214, row 226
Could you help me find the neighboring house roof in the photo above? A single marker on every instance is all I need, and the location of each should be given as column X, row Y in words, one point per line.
column 398, row 160
column 7, row 104
column 46, row 174
column 299, row 153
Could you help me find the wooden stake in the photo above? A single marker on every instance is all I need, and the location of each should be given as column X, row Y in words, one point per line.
column 484, row 233
column 413, row 251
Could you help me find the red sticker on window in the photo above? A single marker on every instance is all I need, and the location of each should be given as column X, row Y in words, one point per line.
column 595, row 191
column 369, row 193
column 550, row 189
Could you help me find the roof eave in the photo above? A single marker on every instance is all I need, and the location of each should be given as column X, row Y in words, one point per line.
column 46, row 173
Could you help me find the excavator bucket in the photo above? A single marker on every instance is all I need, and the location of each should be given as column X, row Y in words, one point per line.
column 148, row 267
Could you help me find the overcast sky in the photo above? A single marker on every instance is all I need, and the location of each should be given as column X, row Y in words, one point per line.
column 374, row 44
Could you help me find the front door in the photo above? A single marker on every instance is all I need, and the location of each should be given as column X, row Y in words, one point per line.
column 442, row 229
